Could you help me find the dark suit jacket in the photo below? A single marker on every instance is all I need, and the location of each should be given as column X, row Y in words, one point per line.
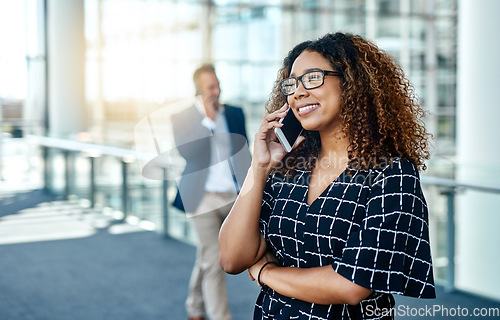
column 192, row 140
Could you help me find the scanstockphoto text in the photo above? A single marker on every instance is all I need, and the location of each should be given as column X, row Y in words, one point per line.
column 435, row 310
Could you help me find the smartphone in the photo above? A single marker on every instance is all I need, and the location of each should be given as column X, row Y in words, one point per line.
column 290, row 131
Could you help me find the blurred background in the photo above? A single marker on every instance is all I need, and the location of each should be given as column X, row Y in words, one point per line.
column 77, row 77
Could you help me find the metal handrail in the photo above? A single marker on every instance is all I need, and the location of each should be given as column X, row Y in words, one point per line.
column 450, row 183
column 89, row 148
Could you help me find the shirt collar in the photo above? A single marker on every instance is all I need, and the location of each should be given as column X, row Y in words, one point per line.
column 201, row 108
column 206, row 121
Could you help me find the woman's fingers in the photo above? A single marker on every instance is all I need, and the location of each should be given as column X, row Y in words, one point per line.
column 299, row 141
column 266, row 131
column 275, row 116
column 274, row 124
column 270, row 118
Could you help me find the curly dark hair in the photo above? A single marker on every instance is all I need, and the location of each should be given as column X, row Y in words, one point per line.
column 381, row 115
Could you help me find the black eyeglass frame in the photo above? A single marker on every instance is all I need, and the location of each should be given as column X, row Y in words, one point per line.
column 299, row 78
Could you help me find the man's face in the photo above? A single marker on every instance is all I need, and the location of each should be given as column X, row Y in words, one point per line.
column 208, row 87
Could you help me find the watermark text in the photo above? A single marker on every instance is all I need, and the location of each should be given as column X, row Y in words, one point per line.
column 432, row 311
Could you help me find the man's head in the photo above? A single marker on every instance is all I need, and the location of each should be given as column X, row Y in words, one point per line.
column 207, row 86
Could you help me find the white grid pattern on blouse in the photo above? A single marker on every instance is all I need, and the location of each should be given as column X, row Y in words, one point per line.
column 371, row 226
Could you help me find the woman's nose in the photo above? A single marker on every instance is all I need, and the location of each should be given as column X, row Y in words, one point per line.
column 300, row 91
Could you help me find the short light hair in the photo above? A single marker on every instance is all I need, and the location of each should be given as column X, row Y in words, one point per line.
column 208, row 67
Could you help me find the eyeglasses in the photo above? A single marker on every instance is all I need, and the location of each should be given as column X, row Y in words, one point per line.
column 310, row 80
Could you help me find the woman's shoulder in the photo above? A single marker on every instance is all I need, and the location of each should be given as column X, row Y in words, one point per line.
column 395, row 169
column 398, row 166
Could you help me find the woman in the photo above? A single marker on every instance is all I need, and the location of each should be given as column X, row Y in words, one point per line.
column 334, row 228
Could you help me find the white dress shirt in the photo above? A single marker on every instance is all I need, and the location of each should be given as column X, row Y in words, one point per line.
column 220, row 178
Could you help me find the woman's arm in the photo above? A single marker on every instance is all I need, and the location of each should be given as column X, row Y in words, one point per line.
column 240, row 242
column 320, row 285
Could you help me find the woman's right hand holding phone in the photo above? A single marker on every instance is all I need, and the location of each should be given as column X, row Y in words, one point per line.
column 267, row 151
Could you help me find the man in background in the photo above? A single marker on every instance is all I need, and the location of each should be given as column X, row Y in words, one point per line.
column 212, row 139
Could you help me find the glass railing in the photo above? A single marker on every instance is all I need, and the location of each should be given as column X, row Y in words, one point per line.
column 441, row 197
column 109, row 179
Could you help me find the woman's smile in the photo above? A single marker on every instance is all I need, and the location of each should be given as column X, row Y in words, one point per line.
column 306, row 108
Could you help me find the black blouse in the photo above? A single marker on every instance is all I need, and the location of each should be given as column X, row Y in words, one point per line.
column 370, row 226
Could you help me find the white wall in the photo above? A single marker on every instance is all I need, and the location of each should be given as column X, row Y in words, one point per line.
column 478, row 147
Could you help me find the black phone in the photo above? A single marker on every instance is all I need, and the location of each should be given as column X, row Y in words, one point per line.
column 290, row 131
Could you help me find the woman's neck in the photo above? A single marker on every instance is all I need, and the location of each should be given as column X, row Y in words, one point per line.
column 334, row 148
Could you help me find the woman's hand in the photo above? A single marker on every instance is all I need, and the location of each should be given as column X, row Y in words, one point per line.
column 253, row 271
column 268, row 152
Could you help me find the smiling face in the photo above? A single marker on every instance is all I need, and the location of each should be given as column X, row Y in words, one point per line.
column 317, row 109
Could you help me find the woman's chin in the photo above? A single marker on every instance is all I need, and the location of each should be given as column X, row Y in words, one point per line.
column 310, row 125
